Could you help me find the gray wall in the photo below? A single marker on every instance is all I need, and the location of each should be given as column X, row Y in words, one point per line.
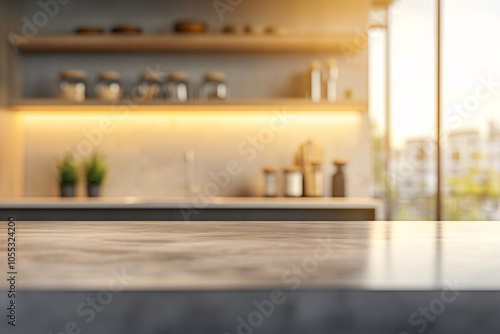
column 249, row 75
column 146, row 153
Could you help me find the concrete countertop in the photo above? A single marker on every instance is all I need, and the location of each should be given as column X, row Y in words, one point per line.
column 216, row 256
column 187, row 202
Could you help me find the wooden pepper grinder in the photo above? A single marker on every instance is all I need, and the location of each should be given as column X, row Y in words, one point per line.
column 309, row 157
column 338, row 179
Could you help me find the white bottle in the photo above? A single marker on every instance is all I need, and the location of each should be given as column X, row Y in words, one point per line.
column 315, row 81
column 332, row 78
column 293, row 182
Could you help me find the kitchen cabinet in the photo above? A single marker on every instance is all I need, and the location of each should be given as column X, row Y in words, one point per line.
column 192, row 209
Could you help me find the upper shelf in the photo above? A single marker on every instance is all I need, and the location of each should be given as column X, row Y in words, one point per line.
column 288, row 104
column 192, row 42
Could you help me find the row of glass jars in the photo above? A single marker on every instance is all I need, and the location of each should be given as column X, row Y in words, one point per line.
column 152, row 85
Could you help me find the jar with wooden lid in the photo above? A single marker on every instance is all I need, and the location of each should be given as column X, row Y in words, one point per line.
column 270, row 182
column 108, row 87
column 149, row 87
column 214, row 87
column 293, row 182
column 176, row 87
column 72, row 85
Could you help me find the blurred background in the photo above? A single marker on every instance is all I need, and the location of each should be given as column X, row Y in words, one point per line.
column 359, row 79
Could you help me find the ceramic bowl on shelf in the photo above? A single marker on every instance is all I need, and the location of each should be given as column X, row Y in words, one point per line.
column 127, row 29
column 193, row 27
column 89, row 31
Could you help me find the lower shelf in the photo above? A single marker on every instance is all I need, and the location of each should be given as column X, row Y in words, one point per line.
column 289, row 104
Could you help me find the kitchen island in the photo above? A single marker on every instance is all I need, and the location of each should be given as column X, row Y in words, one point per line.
column 293, row 277
column 191, row 209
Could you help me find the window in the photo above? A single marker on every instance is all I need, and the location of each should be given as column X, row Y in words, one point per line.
column 412, row 123
column 470, row 100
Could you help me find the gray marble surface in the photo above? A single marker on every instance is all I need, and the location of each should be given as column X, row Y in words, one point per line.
column 215, row 256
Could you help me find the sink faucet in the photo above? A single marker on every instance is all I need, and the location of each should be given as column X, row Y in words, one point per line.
column 191, row 186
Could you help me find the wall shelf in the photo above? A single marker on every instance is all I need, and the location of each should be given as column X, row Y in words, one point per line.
column 347, row 43
column 289, row 104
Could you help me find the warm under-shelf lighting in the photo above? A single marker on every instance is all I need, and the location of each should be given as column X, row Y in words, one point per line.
column 231, row 118
column 262, row 106
column 54, row 133
column 190, row 122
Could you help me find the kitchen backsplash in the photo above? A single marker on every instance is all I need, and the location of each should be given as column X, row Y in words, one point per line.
column 146, row 153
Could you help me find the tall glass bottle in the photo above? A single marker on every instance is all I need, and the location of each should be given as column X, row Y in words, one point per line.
column 338, row 179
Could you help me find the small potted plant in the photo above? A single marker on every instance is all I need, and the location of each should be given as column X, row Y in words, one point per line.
column 68, row 175
column 95, row 173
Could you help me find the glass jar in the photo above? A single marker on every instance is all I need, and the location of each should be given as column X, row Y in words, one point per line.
column 270, row 182
column 149, row 87
column 293, row 182
column 108, row 87
column 72, row 85
column 214, row 87
column 176, row 87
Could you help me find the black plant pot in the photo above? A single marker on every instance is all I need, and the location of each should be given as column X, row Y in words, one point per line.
column 67, row 190
column 93, row 190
